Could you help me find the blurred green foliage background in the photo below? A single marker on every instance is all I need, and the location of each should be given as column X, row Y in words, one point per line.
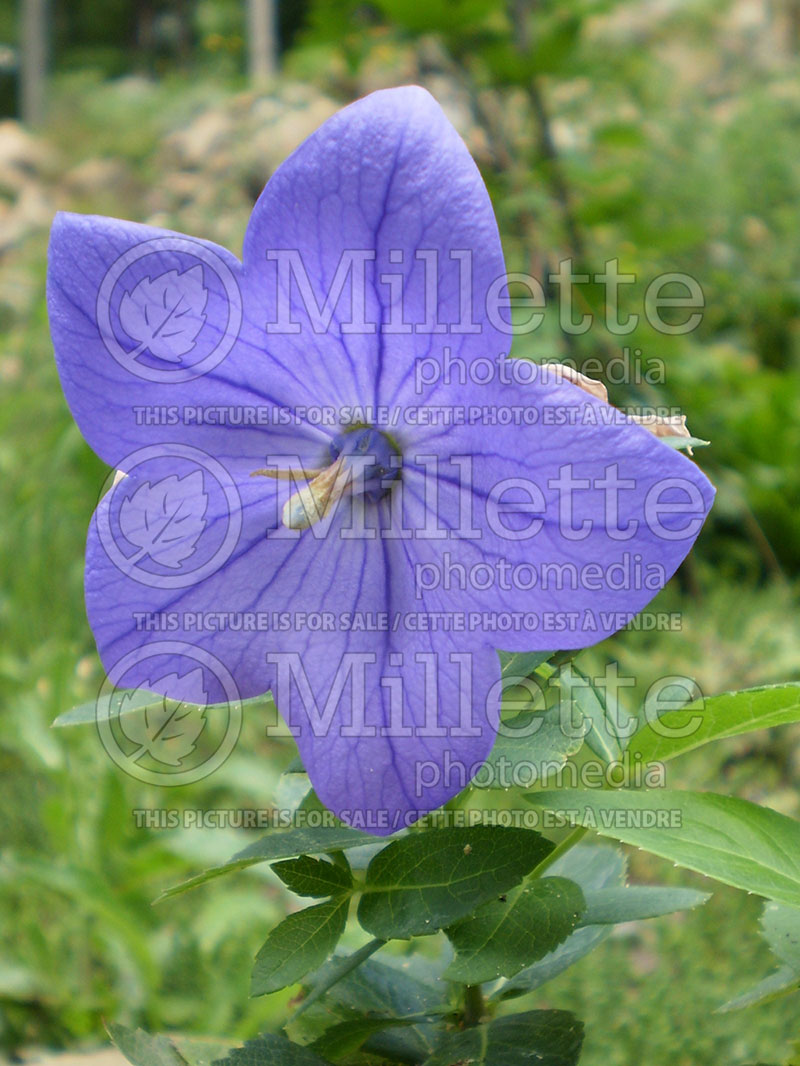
column 661, row 133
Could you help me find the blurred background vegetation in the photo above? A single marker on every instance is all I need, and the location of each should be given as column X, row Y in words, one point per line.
column 662, row 133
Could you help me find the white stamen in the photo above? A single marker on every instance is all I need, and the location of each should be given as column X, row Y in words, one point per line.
column 313, row 502
column 286, row 475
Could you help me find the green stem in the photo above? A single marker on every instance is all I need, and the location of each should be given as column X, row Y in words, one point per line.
column 341, row 968
column 566, row 845
column 474, row 1006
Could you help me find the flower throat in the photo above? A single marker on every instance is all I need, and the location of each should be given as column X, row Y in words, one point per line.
column 364, row 462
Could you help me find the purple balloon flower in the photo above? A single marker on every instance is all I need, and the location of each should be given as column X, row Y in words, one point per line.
column 419, row 501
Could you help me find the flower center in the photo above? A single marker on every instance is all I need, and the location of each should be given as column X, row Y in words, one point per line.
column 364, row 462
column 374, row 459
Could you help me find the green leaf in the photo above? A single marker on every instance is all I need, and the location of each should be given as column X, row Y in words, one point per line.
column 120, row 703
column 336, row 970
column 538, row 746
column 550, row 52
column 521, row 664
column 383, row 988
column 167, row 731
column 781, row 928
column 428, row 880
column 200, row 1051
column 348, row 1036
column 314, row 877
column 730, row 839
column 386, row 989
column 271, row 1050
column 295, row 766
column 281, row 844
column 436, row 16
column 142, row 1049
column 593, row 867
column 543, row 1037
column 300, row 943
column 782, row 982
column 533, row 743
column 716, row 718
column 602, row 735
column 608, row 906
column 504, row 936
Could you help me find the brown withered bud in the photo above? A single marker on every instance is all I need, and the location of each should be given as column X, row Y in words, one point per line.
column 664, row 425
column 659, row 425
column 566, row 373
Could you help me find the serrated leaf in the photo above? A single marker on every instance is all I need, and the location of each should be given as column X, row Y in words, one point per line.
column 165, row 314
column 539, row 745
column 300, row 943
column 144, row 1049
column 271, row 1050
column 541, row 1037
column 781, row 927
column 533, row 741
column 345, row 1037
column 594, row 867
column 782, row 982
column 727, row 715
column 313, row 877
column 429, row 880
column 608, row 906
column 386, row 989
column 504, row 936
column 576, row 947
column 164, row 520
column 732, row 840
column 280, row 844
column 602, row 735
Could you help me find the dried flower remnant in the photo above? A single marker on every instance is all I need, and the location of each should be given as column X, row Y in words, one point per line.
column 658, row 425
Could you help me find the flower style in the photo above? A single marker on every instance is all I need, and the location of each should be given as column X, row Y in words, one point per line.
column 418, row 501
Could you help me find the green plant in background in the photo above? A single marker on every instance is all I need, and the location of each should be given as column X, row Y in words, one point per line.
column 495, row 911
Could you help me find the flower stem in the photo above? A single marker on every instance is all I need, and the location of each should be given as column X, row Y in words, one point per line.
column 474, row 1006
column 340, row 968
column 566, row 844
